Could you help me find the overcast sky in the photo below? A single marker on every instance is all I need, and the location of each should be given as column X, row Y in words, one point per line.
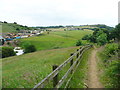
column 59, row 12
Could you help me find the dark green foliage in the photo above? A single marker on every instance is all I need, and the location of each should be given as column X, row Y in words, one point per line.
column 86, row 37
column 28, row 47
column 112, row 65
column 90, row 38
column 60, row 26
column 15, row 23
column 102, row 26
column 117, row 31
column 7, row 51
column 102, row 39
column 99, row 36
column 110, row 49
column 8, row 43
column 5, row 22
column 17, row 29
column 113, row 72
column 78, row 43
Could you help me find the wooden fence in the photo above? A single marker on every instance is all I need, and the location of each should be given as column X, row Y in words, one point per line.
column 56, row 69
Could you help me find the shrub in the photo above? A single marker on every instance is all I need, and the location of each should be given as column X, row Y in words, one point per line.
column 8, row 43
column 78, row 43
column 86, row 37
column 113, row 72
column 110, row 49
column 7, row 51
column 112, row 64
column 28, row 47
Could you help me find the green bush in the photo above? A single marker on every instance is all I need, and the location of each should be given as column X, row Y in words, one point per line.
column 28, row 47
column 113, row 72
column 112, row 63
column 111, row 49
column 78, row 43
column 86, row 37
column 7, row 51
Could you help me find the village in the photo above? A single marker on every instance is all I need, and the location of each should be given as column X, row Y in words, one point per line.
column 22, row 34
column 10, row 38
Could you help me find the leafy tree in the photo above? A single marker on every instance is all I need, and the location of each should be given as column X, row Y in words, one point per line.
column 17, row 29
column 7, row 51
column 15, row 23
column 101, row 38
column 117, row 32
column 5, row 22
column 86, row 37
column 28, row 47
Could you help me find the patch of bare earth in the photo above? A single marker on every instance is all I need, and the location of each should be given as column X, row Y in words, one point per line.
column 93, row 77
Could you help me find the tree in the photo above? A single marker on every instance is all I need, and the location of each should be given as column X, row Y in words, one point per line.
column 28, row 47
column 17, row 29
column 5, row 22
column 15, row 23
column 116, row 32
column 102, row 39
column 100, row 36
column 7, row 51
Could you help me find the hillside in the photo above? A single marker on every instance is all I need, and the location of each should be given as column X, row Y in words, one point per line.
column 27, row 70
column 58, row 39
column 13, row 27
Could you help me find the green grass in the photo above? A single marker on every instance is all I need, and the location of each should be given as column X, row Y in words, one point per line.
column 11, row 27
column 60, row 39
column 80, row 75
column 27, row 70
column 7, row 27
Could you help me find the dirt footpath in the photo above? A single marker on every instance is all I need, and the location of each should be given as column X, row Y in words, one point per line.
column 93, row 79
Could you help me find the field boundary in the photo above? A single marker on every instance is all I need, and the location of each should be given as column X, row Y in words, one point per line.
column 56, row 69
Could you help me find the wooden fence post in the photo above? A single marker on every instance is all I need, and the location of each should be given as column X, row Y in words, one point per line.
column 77, row 55
column 80, row 50
column 71, row 62
column 55, row 79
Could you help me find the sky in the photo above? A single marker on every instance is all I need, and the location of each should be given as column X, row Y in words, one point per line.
column 59, row 12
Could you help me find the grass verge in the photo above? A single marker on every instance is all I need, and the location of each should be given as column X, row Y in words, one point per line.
column 80, row 75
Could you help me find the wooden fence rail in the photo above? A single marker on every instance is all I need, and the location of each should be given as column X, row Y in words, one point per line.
column 56, row 69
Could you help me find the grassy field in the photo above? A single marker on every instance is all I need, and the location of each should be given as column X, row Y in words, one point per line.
column 27, row 70
column 59, row 39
